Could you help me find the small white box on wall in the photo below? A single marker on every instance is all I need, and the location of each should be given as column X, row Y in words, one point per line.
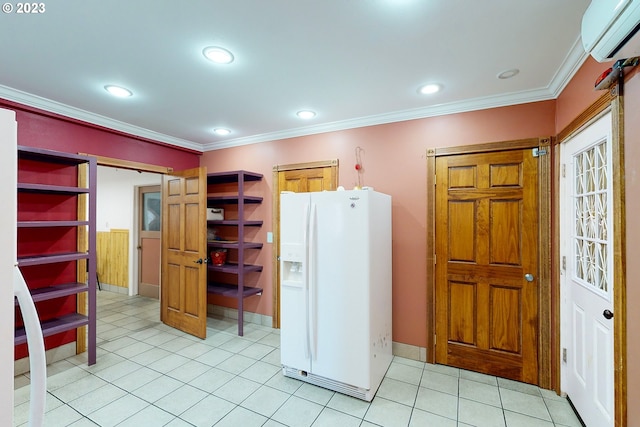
column 215, row 214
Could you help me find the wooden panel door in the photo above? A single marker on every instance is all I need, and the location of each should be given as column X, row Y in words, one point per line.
column 486, row 244
column 306, row 180
column 183, row 292
column 299, row 178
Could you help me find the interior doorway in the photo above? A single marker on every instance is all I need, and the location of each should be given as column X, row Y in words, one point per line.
column 117, row 227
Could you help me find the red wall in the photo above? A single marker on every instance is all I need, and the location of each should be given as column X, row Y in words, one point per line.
column 45, row 130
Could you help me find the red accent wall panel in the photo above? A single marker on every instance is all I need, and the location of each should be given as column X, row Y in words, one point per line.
column 46, row 207
column 37, row 128
column 49, row 310
column 55, row 274
column 33, row 172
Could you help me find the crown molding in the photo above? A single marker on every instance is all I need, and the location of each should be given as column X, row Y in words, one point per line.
column 392, row 117
column 48, row 105
column 574, row 59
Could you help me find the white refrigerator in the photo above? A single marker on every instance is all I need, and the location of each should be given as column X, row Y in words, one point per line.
column 335, row 289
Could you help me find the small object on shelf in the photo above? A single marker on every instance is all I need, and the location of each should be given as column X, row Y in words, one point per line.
column 212, row 234
column 614, row 74
column 608, row 78
column 215, row 214
column 219, row 257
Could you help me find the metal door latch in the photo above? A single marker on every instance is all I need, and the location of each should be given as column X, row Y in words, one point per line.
column 537, row 152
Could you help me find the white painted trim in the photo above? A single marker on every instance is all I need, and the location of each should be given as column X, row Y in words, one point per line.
column 8, row 217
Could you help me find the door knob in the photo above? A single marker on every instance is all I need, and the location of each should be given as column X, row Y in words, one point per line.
column 199, row 261
column 607, row 314
column 528, row 277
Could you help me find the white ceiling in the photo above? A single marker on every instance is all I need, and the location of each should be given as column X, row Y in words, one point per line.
column 355, row 62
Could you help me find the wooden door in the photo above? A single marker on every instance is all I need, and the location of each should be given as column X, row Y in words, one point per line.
column 299, row 178
column 183, row 292
column 306, row 180
column 149, row 221
column 486, row 243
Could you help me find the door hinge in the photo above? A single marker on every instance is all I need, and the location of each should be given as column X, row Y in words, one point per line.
column 435, row 178
column 435, row 259
column 564, row 170
column 539, row 152
column 564, row 355
column 564, row 262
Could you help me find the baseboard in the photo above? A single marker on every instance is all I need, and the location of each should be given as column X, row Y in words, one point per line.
column 232, row 313
column 113, row 288
column 409, row 351
column 21, row 366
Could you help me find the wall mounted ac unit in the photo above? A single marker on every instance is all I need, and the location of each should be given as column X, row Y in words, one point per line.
column 610, row 29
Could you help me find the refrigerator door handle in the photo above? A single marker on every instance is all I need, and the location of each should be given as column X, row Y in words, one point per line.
column 305, row 269
column 313, row 245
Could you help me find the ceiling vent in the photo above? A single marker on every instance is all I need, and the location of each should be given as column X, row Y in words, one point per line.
column 610, row 29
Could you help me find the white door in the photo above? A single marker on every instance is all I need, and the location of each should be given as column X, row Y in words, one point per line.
column 586, row 233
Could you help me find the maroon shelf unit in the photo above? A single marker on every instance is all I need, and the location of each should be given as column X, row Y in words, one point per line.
column 46, row 225
column 238, row 269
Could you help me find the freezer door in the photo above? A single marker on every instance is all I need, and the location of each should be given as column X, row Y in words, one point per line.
column 338, row 290
column 294, row 339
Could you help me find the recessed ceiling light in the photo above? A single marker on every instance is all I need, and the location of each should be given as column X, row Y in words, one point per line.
column 430, row 88
column 118, row 91
column 222, row 131
column 218, row 55
column 507, row 74
column 306, row 114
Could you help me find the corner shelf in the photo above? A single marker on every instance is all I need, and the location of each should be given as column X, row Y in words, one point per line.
column 237, row 290
column 49, row 173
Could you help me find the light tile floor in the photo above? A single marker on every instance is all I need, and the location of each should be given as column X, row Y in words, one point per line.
column 148, row 374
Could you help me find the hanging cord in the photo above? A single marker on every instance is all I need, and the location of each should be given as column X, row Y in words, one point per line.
column 359, row 167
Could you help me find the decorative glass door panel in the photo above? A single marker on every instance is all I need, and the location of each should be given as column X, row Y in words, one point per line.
column 591, row 209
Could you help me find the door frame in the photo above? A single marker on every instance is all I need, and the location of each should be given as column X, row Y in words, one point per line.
column 545, row 320
column 81, row 339
column 611, row 99
column 275, row 216
column 139, row 234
